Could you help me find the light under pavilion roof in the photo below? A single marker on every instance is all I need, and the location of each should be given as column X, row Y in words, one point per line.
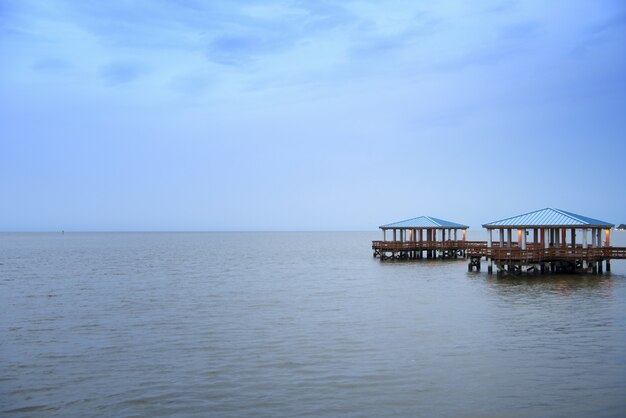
column 424, row 222
column 549, row 217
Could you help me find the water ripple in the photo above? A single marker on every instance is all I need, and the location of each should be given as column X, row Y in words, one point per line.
column 295, row 324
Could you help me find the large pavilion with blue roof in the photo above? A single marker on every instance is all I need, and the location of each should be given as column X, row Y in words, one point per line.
column 549, row 237
column 563, row 228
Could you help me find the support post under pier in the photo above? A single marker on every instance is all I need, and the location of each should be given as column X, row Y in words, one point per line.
column 474, row 263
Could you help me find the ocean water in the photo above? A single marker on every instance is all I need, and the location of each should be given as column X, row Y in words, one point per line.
column 296, row 324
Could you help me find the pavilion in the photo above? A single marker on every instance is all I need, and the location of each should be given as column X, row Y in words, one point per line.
column 424, row 236
column 554, row 238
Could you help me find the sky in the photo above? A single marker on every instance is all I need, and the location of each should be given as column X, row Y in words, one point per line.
column 308, row 115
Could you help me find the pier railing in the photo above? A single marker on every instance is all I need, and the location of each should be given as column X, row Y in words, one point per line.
column 537, row 254
column 426, row 245
column 533, row 252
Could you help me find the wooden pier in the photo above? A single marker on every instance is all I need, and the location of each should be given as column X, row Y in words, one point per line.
column 546, row 241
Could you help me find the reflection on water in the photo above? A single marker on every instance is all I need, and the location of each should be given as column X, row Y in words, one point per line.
column 563, row 284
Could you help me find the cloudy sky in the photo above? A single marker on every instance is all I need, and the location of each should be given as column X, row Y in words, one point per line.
column 308, row 115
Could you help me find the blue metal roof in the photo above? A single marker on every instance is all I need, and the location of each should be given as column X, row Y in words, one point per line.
column 424, row 222
column 549, row 217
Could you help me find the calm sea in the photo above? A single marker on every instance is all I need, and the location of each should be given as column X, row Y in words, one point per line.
column 296, row 324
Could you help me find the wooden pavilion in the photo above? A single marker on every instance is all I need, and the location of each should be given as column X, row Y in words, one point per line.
column 548, row 238
column 423, row 237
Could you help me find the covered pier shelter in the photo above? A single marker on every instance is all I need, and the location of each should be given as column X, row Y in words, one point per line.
column 422, row 237
column 548, row 239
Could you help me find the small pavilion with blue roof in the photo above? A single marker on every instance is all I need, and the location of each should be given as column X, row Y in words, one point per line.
column 414, row 226
column 411, row 237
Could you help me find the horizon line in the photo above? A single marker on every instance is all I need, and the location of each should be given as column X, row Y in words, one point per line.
column 77, row 231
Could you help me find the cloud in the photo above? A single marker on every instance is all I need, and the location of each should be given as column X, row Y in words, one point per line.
column 192, row 84
column 608, row 24
column 519, row 31
column 512, row 40
column 420, row 26
column 236, row 49
column 121, row 72
column 51, row 65
column 247, row 34
column 323, row 16
column 502, row 6
column 596, row 34
column 145, row 25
